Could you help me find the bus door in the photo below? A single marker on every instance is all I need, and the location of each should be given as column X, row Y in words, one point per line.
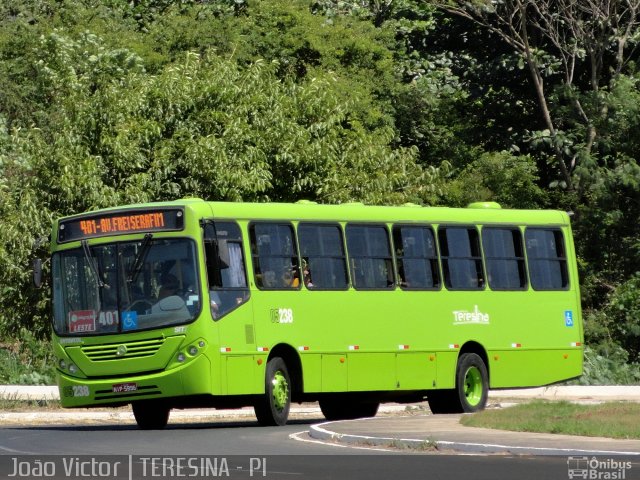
column 228, row 294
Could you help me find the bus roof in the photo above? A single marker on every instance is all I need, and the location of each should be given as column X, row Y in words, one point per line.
column 481, row 212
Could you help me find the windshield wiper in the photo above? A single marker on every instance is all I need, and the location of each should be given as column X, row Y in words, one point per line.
column 139, row 260
column 92, row 264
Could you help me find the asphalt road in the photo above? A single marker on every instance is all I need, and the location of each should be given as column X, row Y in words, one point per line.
column 66, row 442
column 275, row 453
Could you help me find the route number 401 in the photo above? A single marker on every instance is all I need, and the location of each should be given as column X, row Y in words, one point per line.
column 282, row 315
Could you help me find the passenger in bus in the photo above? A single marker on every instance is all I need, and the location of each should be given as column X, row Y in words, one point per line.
column 290, row 278
column 267, row 279
column 306, row 275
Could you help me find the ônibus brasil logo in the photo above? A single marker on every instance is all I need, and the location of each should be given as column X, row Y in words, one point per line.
column 596, row 469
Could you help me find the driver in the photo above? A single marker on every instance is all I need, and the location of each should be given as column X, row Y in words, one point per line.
column 168, row 286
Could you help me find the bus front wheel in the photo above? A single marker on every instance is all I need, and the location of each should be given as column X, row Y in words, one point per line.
column 273, row 407
column 151, row 415
column 471, row 392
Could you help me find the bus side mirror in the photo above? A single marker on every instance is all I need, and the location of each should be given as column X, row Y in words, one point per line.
column 37, row 272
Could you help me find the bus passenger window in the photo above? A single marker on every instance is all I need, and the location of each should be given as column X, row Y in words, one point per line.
column 461, row 258
column 417, row 257
column 547, row 259
column 370, row 257
column 323, row 258
column 225, row 267
column 275, row 256
column 504, row 257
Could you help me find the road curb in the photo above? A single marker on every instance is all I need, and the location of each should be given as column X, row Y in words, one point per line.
column 572, row 392
column 319, row 432
column 29, row 392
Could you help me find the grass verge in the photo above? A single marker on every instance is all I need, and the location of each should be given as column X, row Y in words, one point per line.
column 15, row 405
column 26, row 361
column 613, row 420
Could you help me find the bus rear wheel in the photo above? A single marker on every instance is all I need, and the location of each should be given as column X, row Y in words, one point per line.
column 337, row 408
column 472, row 388
column 151, row 415
column 273, row 407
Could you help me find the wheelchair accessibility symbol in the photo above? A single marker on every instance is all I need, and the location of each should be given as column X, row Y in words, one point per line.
column 129, row 320
column 568, row 318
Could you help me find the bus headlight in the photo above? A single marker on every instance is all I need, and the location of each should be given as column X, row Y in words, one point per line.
column 181, row 357
column 73, row 369
column 193, row 350
column 62, row 364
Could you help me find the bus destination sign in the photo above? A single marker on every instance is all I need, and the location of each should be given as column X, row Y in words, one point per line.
column 120, row 223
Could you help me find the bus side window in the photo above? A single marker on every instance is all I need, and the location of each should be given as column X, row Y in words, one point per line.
column 547, row 259
column 275, row 256
column 417, row 257
column 504, row 257
column 461, row 258
column 323, row 257
column 226, row 272
column 370, row 257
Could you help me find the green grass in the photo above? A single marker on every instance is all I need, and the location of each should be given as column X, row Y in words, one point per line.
column 613, row 420
column 26, row 360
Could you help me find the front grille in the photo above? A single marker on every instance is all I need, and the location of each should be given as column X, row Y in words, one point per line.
column 122, row 351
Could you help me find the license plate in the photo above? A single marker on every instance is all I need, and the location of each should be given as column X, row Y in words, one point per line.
column 124, row 387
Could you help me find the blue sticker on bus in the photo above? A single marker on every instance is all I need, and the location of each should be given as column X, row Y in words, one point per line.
column 129, row 320
column 568, row 318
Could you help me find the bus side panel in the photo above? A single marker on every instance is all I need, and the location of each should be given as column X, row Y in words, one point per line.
column 446, row 371
column 528, row 368
column 371, row 371
column 334, row 373
column 416, row 371
column 241, row 375
column 312, row 372
column 575, row 281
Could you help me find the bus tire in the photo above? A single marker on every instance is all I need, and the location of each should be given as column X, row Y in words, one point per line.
column 472, row 382
column 336, row 408
column 472, row 388
column 151, row 415
column 273, row 406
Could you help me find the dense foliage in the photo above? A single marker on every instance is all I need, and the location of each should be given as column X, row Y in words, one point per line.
column 382, row 101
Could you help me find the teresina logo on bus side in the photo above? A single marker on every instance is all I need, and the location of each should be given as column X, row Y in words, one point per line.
column 464, row 317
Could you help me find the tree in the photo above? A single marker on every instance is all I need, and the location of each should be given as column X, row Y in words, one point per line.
column 508, row 179
column 586, row 45
column 204, row 126
column 22, row 221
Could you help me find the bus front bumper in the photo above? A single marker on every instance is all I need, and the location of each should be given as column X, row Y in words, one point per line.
column 194, row 378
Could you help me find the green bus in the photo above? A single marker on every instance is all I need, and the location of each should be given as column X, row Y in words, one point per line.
column 210, row 304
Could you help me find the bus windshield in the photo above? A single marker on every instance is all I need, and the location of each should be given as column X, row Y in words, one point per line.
column 123, row 287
